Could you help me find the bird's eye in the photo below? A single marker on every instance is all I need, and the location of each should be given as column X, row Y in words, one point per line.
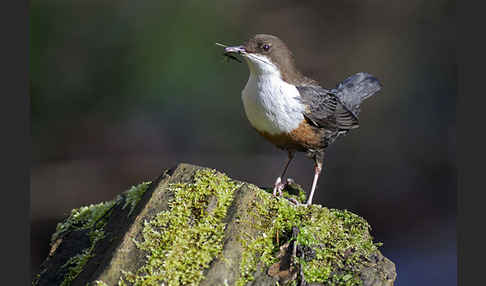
column 266, row 47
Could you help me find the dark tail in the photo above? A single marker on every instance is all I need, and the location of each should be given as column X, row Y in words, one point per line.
column 356, row 88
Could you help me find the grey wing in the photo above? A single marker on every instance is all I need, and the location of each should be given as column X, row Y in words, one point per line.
column 326, row 110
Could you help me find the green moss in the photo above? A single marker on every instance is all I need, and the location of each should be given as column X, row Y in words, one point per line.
column 92, row 219
column 134, row 194
column 294, row 191
column 75, row 264
column 87, row 218
column 182, row 241
column 340, row 239
column 83, row 218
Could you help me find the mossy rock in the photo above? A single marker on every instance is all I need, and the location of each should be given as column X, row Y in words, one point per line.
column 196, row 226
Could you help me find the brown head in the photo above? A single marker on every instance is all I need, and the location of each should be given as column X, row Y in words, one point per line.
column 267, row 53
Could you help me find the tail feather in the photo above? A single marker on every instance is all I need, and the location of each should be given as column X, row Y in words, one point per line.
column 356, row 88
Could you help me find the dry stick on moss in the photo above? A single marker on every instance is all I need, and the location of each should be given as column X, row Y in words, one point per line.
column 295, row 233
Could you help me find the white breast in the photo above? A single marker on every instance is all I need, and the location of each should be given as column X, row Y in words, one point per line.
column 271, row 104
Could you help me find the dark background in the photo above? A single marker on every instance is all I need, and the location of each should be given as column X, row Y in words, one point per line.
column 121, row 90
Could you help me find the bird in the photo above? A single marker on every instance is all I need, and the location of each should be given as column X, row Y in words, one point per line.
column 293, row 111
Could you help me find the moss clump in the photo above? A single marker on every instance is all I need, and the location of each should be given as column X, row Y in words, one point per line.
column 134, row 194
column 92, row 219
column 182, row 241
column 76, row 264
column 83, row 218
column 339, row 238
column 87, row 218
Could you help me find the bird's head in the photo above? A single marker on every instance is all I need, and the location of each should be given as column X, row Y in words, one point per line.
column 265, row 54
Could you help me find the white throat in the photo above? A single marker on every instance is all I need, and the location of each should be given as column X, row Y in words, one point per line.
column 271, row 104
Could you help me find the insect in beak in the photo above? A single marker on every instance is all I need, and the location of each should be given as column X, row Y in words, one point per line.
column 229, row 51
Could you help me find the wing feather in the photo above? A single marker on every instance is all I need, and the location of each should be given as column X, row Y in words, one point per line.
column 325, row 109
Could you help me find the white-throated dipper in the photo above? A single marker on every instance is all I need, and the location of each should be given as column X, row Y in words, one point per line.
column 293, row 111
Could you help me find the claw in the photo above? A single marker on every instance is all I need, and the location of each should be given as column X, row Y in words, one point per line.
column 279, row 186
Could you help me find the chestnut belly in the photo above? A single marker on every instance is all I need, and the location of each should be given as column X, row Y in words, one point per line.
column 302, row 138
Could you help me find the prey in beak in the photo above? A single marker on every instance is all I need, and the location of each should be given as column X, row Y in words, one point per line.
column 229, row 51
column 236, row 49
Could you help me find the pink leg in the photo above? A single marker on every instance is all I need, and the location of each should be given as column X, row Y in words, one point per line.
column 317, row 171
column 279, row 186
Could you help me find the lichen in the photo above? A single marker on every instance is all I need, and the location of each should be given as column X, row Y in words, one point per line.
column 181, row 241
column 92, row 219
column 340, row 239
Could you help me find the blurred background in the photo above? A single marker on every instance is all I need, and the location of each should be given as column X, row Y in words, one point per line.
column 121, row 90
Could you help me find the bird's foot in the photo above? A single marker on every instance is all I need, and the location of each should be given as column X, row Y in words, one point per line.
column 278, row 187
